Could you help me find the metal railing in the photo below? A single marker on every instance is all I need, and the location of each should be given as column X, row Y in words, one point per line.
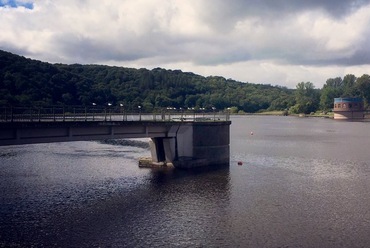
column 80, row 113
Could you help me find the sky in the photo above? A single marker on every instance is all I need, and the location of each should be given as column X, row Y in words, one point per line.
column 277, row 42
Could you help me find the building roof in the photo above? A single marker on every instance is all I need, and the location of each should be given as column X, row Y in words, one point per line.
column 348, row 99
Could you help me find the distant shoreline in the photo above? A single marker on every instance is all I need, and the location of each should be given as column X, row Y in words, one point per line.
column 281, row 113
column 329, row 115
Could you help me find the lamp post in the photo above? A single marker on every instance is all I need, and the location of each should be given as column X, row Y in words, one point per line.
column 182, row 114
column 202, row 110
column 121, row 109
column 139, row 107
column 110, row 114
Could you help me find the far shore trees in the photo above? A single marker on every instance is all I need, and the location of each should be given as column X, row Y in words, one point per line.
column 27, row 82
column 307, row 98
column 349, row 86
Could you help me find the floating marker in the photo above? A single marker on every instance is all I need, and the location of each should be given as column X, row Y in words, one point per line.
column 240, row 163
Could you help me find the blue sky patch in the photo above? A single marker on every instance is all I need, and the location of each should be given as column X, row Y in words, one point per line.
column 15, row 4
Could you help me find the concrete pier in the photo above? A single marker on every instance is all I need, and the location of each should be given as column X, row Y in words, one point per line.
column 194, row 145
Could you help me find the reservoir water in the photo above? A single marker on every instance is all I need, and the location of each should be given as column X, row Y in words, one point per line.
column 303, row 182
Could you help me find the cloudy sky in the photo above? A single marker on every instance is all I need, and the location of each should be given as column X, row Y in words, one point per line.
column 278, row 42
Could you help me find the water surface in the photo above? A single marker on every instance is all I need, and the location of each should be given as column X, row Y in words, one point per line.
column 304, row 182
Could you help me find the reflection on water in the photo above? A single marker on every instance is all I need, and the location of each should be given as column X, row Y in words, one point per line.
column 303, row 183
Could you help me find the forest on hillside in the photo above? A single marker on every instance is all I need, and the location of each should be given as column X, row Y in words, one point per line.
column 27, row 82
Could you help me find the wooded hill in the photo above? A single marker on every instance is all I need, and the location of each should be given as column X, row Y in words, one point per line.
column 27, row 82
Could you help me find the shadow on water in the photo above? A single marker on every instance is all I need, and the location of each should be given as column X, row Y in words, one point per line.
column 126, row 142
column 168, row 203
column 169, row 206
column 167, row 175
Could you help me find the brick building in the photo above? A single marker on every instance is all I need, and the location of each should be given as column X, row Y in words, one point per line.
column 348, row 108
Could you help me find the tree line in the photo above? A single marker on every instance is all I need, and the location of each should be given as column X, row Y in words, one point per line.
column 25, row 82
column 308, row 99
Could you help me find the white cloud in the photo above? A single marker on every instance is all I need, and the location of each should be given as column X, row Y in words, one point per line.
column 277, row 44
column 336, row 35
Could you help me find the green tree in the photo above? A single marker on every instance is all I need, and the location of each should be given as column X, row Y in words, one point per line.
column 349, row 88
column 363, row 86
column 307, row 98
column 332, row 88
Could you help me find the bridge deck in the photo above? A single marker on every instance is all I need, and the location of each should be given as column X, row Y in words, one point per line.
column 44, row 132
column 43, row 125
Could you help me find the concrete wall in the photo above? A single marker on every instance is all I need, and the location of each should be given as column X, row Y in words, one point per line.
column 185, row 141
column 349, row 115
column 194, row 144
column 203, row 144
column 211, row 141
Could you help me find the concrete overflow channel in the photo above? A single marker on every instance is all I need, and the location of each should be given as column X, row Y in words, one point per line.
column 184, row 140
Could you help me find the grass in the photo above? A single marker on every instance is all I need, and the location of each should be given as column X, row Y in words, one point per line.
column 270, row 113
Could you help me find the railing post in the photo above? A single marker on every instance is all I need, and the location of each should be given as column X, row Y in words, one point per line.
column 105, row 114
column 139, row 112
column 11, row 114
column 39, row 114
column 85, row 114
column 54, row 114
column 74, row 114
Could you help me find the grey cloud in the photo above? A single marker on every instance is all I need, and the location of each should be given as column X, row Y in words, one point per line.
column 223, row 14
column 360, row 57
column 84, row 49
column 336, row 8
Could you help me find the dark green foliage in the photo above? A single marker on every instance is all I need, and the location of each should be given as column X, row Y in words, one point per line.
column 29, row 82
column 307, row 98
column 363, row 86
column 349, row 86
